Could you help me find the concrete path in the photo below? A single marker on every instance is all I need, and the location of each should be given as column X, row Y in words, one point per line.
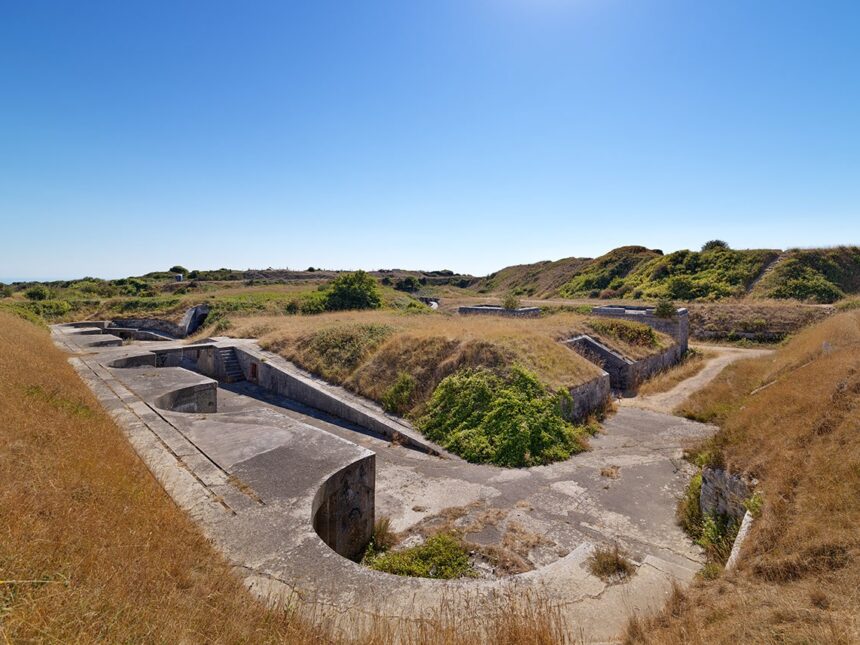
column 669, row 401
column 249, row 473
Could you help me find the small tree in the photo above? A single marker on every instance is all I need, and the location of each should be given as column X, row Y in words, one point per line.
column 511, row 301
column 409, row 283
column 353, row 291
column 179, row 269
column 714, row 245
column 665, row 308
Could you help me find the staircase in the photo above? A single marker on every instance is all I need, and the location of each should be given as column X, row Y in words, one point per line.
column 767, row 270
column 232, row 371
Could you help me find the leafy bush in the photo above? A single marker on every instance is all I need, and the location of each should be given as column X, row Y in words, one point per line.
column 798, row 281
column 442, row 556
column 396, row 398
column 50, row 309
column 5, row 291
column 38, row 292
column 511, row 301
column 665, row 308
column 633, row 333
column 409, row 283
column 178, row 268
column 356, row 290
column 714, row 245
column 510, row 420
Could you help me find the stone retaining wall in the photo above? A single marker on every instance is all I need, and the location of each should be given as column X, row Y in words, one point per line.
column 678, row 326
column 724, row 493
column 522, row 312
column 589, row 397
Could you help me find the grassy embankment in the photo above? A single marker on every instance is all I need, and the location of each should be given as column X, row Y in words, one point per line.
column 790, row 420
column 455, row 376
column 93, row 550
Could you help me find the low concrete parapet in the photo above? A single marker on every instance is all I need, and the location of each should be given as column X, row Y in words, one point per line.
column 343, row 508
column 493, row 310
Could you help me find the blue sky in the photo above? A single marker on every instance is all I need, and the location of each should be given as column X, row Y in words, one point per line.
column 461, row 134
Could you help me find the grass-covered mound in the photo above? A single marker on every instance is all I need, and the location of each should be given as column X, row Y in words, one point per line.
column 511, row 420
column 608, row 271
column 816, row 275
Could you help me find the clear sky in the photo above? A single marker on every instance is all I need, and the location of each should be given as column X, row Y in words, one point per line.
column 460, row 134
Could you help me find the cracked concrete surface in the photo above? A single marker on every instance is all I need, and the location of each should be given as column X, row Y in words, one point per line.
column 247, row 474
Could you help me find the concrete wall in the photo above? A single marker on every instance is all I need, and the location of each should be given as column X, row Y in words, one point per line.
column 724, row 493
column 343, row 508
column 588, row 397
column 522, row 312
column 678, row 327
column 194, row 398
column 625, row 375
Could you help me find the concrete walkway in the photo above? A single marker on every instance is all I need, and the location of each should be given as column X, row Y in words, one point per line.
column 250, row 472
column 667, row 402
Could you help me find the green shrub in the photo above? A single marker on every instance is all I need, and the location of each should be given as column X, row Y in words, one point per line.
column 442, row 556
column 717, row 536
column 50, row 309
column 6, row 291
column 633, row 333
column 356, row 290
column 714, row 245
column 178, row 268
column 313, row 303
column 511, row 301
column 409, row 283
column 510, row 420
column 689, row 511
column 396, row 398
column 665, row 308
column 38, row 292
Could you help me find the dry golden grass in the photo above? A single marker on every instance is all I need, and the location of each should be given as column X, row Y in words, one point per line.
column 664, row 381
column 432, row 346
column 791, row 421
column 93, row 550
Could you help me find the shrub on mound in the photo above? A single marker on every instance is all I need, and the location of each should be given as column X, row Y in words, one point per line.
column 507, row 420
column 633, row 333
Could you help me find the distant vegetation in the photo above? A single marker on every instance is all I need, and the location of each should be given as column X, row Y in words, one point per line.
column 716, row 272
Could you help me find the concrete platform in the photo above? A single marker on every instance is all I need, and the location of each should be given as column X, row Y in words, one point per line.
column 259, row 474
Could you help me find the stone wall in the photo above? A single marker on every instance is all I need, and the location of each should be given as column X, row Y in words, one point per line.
column 625, row 375
column 343, row 508
column 588, row 397
column 487, row 310
column 724, row 493
column 678, row 327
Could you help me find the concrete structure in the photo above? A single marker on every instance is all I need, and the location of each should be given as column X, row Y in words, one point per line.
column 724, row 493
column 494, row 310
column 589, row 397
column 678, row 326
column 625, row 374
column 289, row 493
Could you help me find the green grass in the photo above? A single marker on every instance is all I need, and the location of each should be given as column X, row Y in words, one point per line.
column 629, row 332
column 441, row 556
column 509, row 420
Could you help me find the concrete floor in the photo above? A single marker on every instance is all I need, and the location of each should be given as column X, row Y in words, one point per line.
column 248, row 473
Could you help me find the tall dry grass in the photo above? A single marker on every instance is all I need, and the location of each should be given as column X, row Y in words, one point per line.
column 791, row 421
column 93, row 550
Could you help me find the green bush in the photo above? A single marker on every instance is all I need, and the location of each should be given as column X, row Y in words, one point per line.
column 409, row 283
column 442, row 556
column 665, row 308
column 714, row 245
column 178, row 268
column 50, row 309
column 689, row 511
column 356, row 290
column 38, row 292
column 511, row 302
column 396, row 398
column 510, row 420
column 6, row 291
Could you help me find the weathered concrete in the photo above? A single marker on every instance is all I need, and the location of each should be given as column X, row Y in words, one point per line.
column 724, row 493
column 493, row 310
column 589, row 397
column 256, row 474
column 678, row 326
column 625, row 374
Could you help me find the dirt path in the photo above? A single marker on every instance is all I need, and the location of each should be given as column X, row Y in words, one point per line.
column 666, row 402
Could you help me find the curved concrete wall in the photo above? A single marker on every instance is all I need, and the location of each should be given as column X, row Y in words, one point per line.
column 193, row 398
column 343, row 508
